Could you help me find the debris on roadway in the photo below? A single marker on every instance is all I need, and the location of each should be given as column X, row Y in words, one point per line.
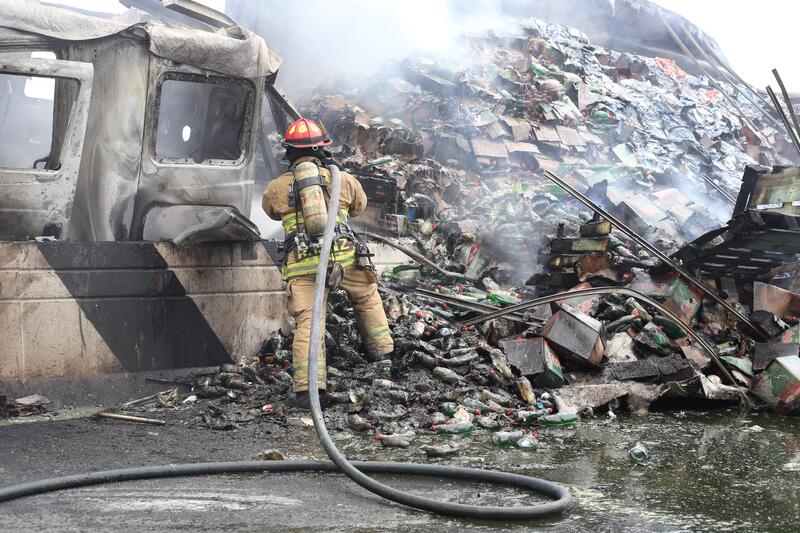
column 453, row 156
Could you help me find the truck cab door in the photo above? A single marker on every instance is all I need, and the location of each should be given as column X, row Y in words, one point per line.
column 44, row 106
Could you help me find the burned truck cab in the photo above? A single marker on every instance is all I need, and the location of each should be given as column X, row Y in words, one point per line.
column 128, row 151
column 151, row 130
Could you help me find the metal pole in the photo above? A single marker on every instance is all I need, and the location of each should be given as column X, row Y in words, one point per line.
column 779, row 110
column 787, row 100
column 128, row 418
column 613, row 290
column 719, row 189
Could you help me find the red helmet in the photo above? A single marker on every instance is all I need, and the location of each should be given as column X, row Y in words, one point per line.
column 305, row 133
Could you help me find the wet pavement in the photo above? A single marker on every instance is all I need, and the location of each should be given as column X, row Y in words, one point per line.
column 707, row 471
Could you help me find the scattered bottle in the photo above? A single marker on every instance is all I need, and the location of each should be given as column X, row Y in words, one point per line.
column 383, row 383
column 441, row 450
column 396, row 440
column 528, row 418
column 487, row 422
column 446, row 375
column 438, row 418
column 638, row 454
column 478, row 405
column 527, row 442
column 503, row 438
column 558, row 419
column 425, row 360
column 526, row 390
column 500, row 364
column 489, row 396
column 454, row 426
column 358, row 423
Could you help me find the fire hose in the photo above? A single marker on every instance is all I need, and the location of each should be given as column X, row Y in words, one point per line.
column 357, row 470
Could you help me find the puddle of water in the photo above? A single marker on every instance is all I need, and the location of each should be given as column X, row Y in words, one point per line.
column 707, row 470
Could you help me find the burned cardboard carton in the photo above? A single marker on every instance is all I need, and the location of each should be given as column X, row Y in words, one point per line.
column 575, row 337
column 535, row 359
column 640, row 213
column 766, row 352
column 778, row 301
column 779, row 385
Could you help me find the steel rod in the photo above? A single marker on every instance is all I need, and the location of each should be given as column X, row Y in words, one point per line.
column 129, row 418
column 720, row 190
column 788, row 101
column 776, row 103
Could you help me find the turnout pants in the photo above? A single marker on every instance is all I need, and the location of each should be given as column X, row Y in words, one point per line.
column 362, row 290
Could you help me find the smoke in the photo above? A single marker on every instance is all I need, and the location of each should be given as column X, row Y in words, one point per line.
column 328, row 39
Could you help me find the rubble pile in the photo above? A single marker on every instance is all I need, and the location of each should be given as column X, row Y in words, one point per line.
column 465, row 144
column 453, row 158
column 35, row 404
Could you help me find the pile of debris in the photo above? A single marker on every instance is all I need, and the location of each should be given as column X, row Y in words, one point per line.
column 454, row 151
column 454, row 159
column 35, row 404
column 454, row 155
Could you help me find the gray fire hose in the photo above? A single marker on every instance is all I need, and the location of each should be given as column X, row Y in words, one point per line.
column 354, row 470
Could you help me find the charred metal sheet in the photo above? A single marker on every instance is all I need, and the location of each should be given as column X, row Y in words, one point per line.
column 198, row 11
column 751, row 246
column 111, row 159
column 189, row 224
column 82, row 309
column 220, row 181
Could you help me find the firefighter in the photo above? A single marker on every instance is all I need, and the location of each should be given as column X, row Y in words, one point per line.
column 298, row 198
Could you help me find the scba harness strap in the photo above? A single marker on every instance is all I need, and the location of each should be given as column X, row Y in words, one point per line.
column 348, row 249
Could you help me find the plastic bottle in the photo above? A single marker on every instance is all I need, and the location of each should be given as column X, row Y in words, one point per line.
column 526, row 390
column 396, row 440
column 489, row 396
column 487, row 422
column 559, row 419
column 502, row 438
column 446, row 375
column 383, row 383
column 638, row 454
column 454, row 426
column 477, row 404
column 441, row 450
column 500, row 364
column 527, row 442
column 528, row 418
column 358, row 423
column 425, row 360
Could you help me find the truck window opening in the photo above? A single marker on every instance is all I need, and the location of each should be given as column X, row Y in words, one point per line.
column 34, row 115
column 201, row 121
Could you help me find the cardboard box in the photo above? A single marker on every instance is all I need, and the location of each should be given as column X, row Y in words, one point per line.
column 779, row 385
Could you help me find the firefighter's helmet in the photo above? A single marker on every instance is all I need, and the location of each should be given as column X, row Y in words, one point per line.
column 305, row 133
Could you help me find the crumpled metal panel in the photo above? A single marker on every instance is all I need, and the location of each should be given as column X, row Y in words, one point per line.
column 109, row 171
column 191, row 224
column 35, row 202
column 186, row 182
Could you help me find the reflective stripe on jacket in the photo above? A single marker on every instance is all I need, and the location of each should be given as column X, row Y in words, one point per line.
column 296, row 264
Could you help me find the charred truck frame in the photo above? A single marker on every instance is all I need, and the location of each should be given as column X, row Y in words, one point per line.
column 127, row 163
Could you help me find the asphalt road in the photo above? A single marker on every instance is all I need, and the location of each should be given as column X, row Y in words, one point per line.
column 253, row 502
column 708, row 471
